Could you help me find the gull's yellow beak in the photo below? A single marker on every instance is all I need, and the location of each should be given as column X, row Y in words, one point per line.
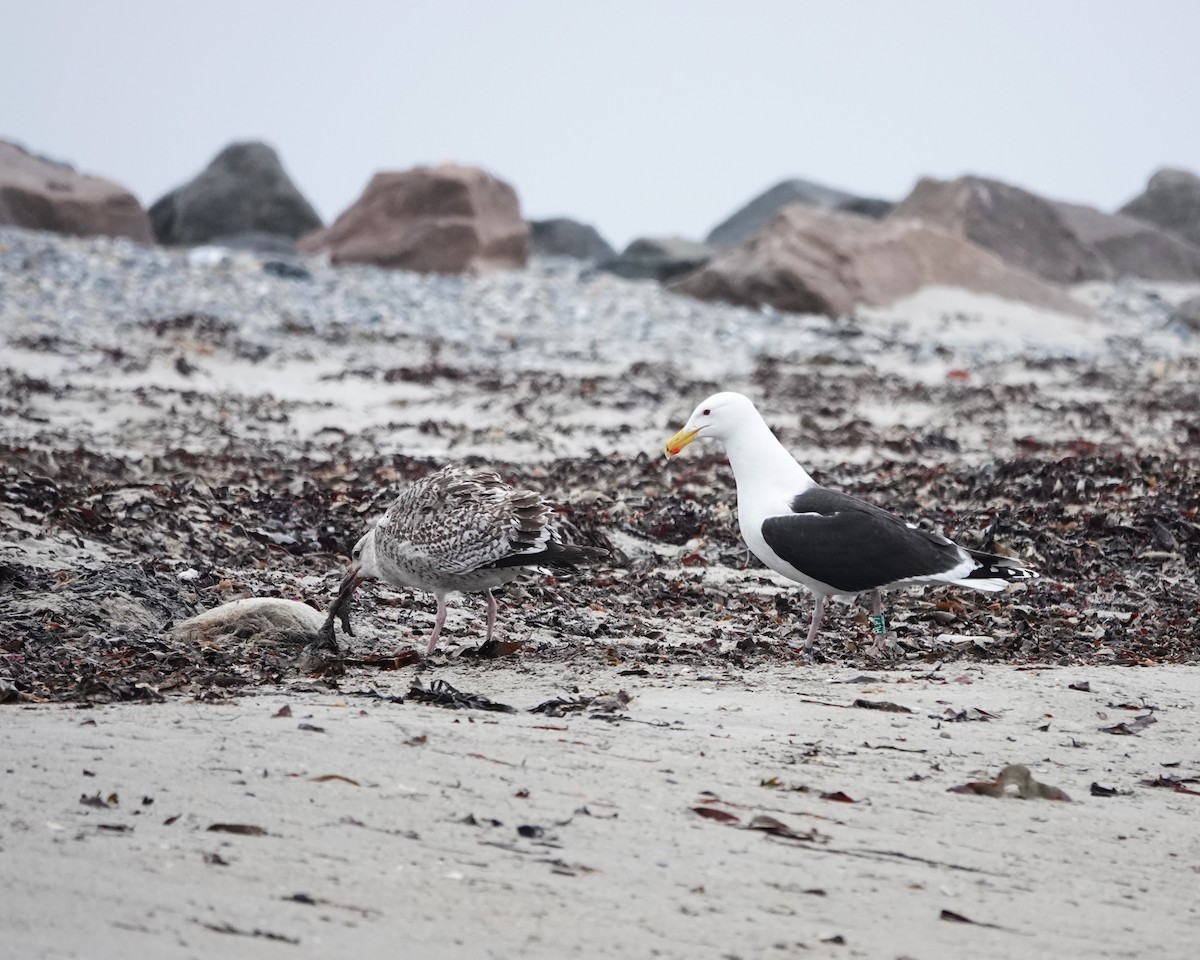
column 680, row 440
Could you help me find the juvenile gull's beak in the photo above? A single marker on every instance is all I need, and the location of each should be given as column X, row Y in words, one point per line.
column 681, row 440
column 351, row 580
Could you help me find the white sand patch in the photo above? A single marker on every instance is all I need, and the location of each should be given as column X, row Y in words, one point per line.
column 423, row 851
column 979, row 326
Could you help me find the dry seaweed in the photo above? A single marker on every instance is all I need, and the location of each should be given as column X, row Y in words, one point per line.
column 442, row 694
column 142, row 543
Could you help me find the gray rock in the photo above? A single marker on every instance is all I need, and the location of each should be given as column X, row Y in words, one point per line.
column 659, row 258
column 563, row 237
column 1171, row 200
column 245, row 190
column 1132, row 247
column 1021, row 228
column 760, row 211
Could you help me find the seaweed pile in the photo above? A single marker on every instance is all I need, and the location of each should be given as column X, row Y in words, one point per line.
column 1117, row 539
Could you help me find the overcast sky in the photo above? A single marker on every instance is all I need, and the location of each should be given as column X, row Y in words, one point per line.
column 647, row 117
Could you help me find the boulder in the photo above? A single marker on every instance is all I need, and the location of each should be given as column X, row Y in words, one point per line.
column 41, row 194
column 1171, row 201
column 822, row 261
column 245, row 190
column 443, row 219
column 760, row 211
column 659, row 258
column 1019, row 227
column 562, row 237
column 1132, row 247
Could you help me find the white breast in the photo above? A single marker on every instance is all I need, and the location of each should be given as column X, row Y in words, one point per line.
column 756, row 502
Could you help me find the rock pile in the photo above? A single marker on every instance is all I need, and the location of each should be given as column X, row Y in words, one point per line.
column 798, row 246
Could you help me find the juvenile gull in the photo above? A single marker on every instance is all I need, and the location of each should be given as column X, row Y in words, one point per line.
column 464, row 531
column 830, row 542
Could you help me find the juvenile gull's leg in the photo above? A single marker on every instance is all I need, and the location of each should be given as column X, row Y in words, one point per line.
column 817, row 614
column 491, row 621
column 437, row 624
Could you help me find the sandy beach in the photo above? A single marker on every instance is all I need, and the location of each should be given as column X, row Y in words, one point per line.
column 383, row 827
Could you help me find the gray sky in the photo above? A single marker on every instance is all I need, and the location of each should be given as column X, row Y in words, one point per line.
column 651, row 117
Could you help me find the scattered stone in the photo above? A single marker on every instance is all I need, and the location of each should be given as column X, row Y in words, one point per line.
column 759, row 212
column 444, row 219
column 1019, row 227
column 563, row 237
column 244, row 191
column 42, row 194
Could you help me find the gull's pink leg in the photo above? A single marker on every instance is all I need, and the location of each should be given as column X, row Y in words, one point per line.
column 438, row 623
column 491, row 615
column 817, row 615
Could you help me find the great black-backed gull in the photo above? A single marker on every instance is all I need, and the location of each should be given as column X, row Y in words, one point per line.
column 830, row 542
column 461, row 531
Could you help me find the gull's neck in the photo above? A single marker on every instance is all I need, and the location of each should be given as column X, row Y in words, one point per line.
column 762, row 465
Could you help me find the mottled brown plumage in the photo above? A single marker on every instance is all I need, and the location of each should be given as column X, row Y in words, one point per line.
column 467, row 531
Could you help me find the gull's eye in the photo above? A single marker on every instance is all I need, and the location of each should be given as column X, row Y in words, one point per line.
column 706, row 412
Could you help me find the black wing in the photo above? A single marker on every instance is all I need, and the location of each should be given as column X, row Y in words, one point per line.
column 554, row 555
column 852, row 545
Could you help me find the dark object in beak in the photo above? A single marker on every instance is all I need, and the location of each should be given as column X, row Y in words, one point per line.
column 339, row 610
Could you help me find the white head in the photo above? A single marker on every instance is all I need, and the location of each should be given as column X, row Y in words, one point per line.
column 363, row 565
column 721, row 417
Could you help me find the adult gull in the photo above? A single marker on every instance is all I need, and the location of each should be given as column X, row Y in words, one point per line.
column 830, row 542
